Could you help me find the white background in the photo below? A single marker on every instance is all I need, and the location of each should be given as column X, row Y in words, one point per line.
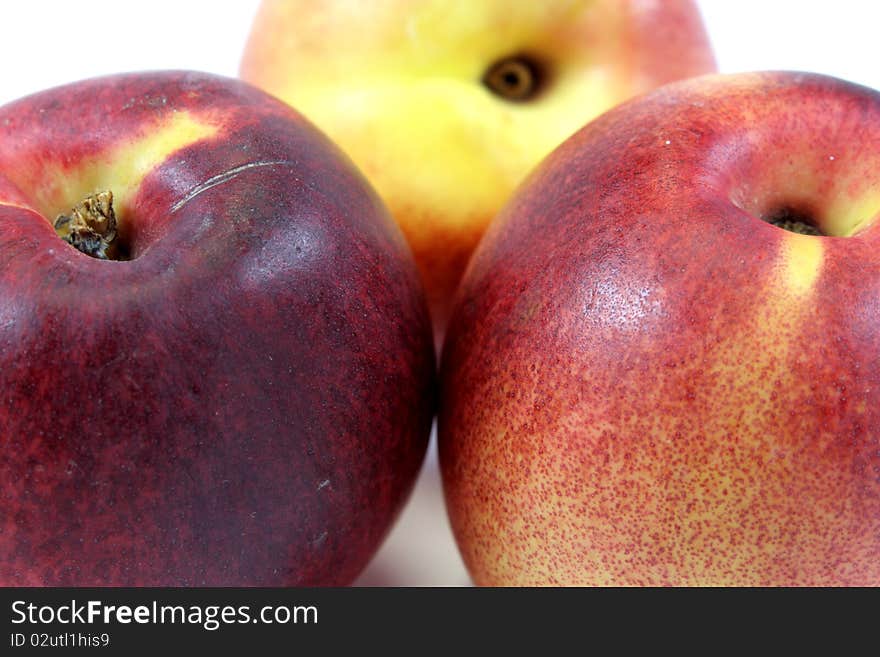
column 50, row 42
column 46, row 43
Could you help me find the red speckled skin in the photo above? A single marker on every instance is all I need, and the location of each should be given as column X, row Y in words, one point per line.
column 644, row 383
column 248, row 400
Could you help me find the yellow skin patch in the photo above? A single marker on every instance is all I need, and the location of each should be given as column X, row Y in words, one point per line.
column 398, row 85
column 849, row 216
column 59, row 187
column 801, row 262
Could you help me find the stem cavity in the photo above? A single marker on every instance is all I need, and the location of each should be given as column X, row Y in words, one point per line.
column 91, row 226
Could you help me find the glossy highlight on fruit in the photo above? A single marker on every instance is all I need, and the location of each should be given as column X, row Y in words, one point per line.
column 242, row 393
column 654, row 374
